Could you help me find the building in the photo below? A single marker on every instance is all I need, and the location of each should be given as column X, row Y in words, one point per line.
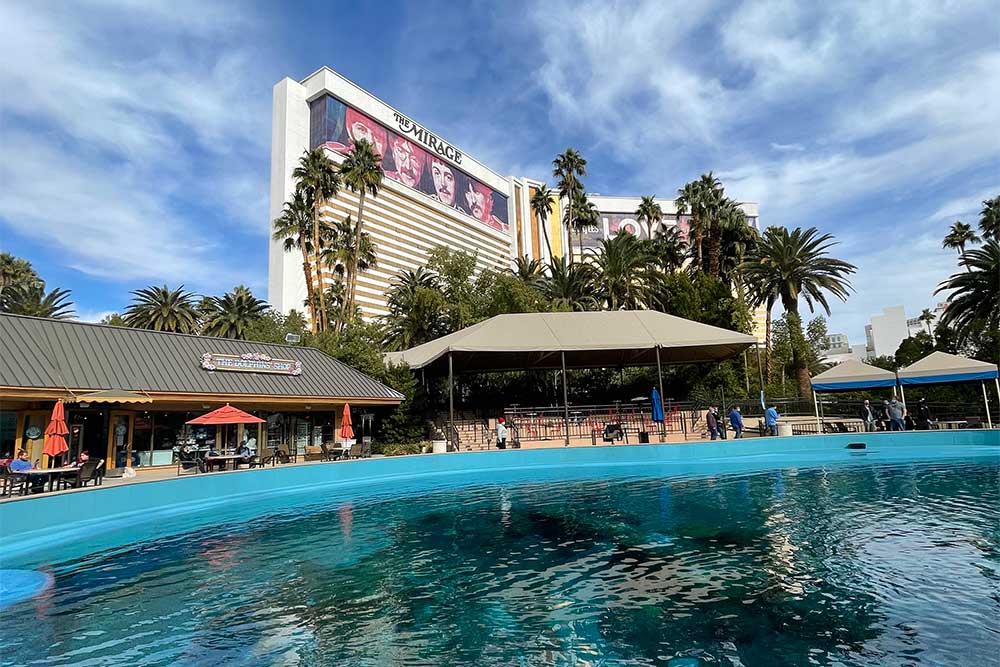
column 916, row 325
column 837, row 344
column 434, row 193
column 130, row 392
column 839, row 349
column 885, row 332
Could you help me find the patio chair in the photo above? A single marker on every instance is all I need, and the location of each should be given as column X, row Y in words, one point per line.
column 973, row 422
column 327, row 454
column 366, row 449
column 11, row 483
column 84, row 475
column 287, row 454
column 356, row 450
column 842, row 427
column 190, row 462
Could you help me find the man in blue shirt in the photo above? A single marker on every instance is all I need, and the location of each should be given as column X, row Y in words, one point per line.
column 771, row 418
column 736, row 419
column 21, row 463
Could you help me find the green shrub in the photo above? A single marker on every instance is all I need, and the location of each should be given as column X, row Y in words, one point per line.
column 401, row 449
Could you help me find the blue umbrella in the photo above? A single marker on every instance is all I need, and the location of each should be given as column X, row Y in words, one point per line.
column 657, row 407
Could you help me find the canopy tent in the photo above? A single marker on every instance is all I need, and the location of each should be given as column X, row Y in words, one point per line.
column 943, row 368
column 557, row 341
column 848, row 375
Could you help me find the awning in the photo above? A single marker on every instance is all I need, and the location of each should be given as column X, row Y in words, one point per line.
column 113, row 396
column 853, row 374
column 941, row 367
column 605, row 339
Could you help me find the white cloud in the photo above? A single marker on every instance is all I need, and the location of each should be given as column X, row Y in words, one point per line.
column 787, row 147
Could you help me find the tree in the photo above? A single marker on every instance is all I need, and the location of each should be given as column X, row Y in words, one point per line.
column 542, row 205
column 113, row 320
column 569, row 286
column 15, row 272
column 319, row 181
column 623, row 271
column 294, row 228
column 273, row 327
column 569, row 167
column 669, row 248
column 649, row 214
column 914, row 348
column 989, row 219
column 456, row 270
column 927, row 317
column 973, row 306
column 163, row 309
column 699, row 199
column 958, row 235
column 585, row 216
column 343, row 252
column 233, row 313
column 416, row 310
column 528, row 271
column 362, row 173
column 797, row 264
column 30, row 298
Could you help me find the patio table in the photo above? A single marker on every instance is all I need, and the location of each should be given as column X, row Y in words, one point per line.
column 225, row 459
column 51, row 473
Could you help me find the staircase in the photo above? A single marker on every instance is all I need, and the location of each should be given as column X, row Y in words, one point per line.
column 473, row 434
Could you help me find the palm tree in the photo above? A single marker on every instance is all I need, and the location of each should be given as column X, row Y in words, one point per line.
column 233, row 312
column 649, row 214
column 163, row 309
column 958, row 235
column 342, row 253
column 974, row 304
column 569, row 287
column 541, row 206
column 623, row 271
column 794, row 264
column 669, row 248
column 528, row 271
column 569, row 167
column 726, row 218
column 586, row 215
column 989, row 219
column 362, row 173
column 699, row 199
column 294, row 229
column 416, row 310
column 30, row 298
column 927, row 317
column 15, row 271
column 319, row 181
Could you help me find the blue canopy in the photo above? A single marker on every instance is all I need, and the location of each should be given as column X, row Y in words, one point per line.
column 941, row 367
column 853, row 374
column 657, row 407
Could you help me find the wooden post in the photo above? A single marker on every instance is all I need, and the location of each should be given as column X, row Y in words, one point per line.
column 565, row 398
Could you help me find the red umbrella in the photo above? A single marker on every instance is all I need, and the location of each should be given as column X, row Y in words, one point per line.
column 227, row 414
column 55, row 444
column 346, row 432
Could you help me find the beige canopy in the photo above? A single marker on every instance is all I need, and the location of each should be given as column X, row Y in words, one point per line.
column 852, row 374
column 114, row 396
column 588, row 340
column 940, row 367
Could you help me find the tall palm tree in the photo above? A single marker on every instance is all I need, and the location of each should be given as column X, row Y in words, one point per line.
column 542, row 205
column 30, row 298
column 362, row 172
column 163, row 309
column 343, row 253
column 974, row 304
column 569, row 167
column 958, row 235
column 233, row 312
column 319, row 180
column 927, row 317
column 15, row 271
column 294, row 229
column 797, row 264
column 698, row 199
column 416, row 310
column 649, row 214
column 989, row 219
column 623, row 271
column 585, row 215
column 669, row 248
column 726, row 217
column 569, row 286
column 528, row 271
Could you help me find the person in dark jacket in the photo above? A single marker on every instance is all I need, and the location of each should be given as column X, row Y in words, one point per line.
column 713, row 423
column 867, row 415
column 924, row 417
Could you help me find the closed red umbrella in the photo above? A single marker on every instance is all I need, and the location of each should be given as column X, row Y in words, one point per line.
column 55, row 444
column 346, row 432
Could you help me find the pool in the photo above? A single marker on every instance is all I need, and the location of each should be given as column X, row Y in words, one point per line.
column 771, row 552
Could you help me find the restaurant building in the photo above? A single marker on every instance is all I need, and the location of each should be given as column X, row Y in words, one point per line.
column 128, row 393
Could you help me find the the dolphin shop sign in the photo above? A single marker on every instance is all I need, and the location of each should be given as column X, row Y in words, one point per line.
column 250, row 363
column 427, row 138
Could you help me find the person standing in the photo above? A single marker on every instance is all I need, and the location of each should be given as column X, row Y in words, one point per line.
column 771, row 418
column 883, row 416
column 713, row 423
column 501, row 434
column 868, row 416
column 721, row 421
column 924, row 417
column 896, row 412
column 736, row 420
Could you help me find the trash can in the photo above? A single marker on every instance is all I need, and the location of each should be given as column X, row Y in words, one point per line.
column 643, row 437
column 784, row 428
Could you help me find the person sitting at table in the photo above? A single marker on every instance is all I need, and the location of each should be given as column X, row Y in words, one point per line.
column 81, row 459
column 245, row 454
column 22, row 463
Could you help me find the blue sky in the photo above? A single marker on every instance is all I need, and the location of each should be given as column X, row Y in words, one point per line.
column 136, row 135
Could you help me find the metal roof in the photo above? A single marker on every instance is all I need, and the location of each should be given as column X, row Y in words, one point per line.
column 64, row 354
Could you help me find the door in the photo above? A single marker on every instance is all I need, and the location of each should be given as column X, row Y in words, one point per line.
column 120, row 440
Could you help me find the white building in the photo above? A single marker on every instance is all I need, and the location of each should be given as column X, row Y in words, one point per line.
column 915, row 325
column 434, row 194
column 886, row 331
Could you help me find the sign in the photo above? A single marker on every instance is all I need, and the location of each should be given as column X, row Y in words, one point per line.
column 33, row 433
column 251, row 362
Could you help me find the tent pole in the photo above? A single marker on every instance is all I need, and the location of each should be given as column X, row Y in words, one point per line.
column 760, row 367
column 996, row 381
column 986, row 400
column 451, row 398
column 746, row 371
column 819, row 427
column 902, row 395
column 659, row 376
column 565, row 398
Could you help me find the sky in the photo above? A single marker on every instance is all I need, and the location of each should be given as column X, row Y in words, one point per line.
column 135, row 134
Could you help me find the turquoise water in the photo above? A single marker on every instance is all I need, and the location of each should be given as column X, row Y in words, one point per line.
column 891, row 564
